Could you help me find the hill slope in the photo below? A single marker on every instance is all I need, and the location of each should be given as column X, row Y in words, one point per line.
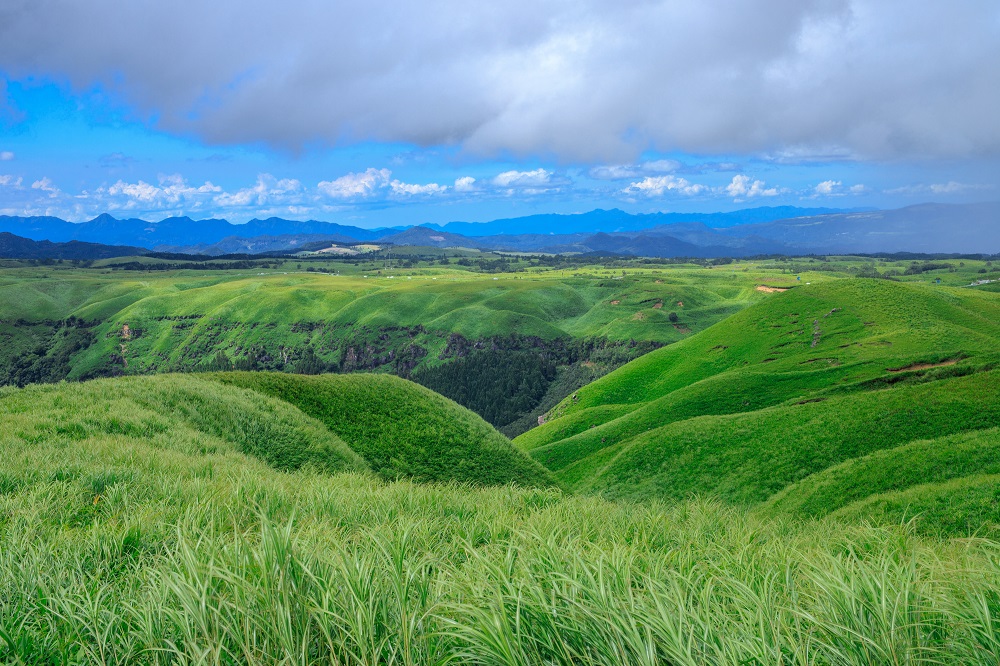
column 401, row 428
column 329, row 424
column 188, row 414
column 806, row 380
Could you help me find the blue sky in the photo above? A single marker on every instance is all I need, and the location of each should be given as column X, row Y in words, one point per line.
column 660, row 107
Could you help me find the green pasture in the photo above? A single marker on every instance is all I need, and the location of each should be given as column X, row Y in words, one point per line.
column 180, row 520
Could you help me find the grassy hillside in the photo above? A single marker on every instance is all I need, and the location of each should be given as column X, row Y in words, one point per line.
column 130, row 538
column 271, row 312
column 270, row 320
column 808, row 379
column 64, row 322
column 407, row 315
column 189, row 414
column 949, row 483
column 401, row 429
column 839, row 433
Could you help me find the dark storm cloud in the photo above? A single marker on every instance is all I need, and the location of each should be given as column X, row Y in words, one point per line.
column 578, row 80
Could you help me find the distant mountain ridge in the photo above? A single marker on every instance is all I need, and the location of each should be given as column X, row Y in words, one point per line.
column 615, row 220
column 929, row 228
column 16, row 247
column 174, row 232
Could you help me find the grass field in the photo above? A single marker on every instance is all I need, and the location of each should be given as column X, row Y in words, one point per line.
column 806, row 476
column 137, row 529
column 64, row 322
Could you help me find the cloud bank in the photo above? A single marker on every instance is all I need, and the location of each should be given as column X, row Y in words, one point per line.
column 583, row 81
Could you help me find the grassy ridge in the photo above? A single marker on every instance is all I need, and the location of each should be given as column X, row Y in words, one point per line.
column 401, row 429
column 966, row 505
column 147, row 547
column 171, row 411
column 863, row 325
column 790, row 387
column 747, row 458
column 917, row 463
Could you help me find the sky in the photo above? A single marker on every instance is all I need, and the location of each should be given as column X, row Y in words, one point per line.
column 392, row 113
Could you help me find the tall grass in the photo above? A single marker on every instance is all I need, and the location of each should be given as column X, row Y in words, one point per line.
column 255, row 566
column 130, row 538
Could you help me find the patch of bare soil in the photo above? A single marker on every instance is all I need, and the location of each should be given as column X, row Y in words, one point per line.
column 658, row 305
column 770, row 290
column 638, row 316
column 615, row 302
column 827, row 360
column 683, row 329
column 924, row 366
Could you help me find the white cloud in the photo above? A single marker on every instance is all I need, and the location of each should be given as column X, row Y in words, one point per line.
column 833, row 188
column 173, row 194
column 657, row 185
column 827, row 187
column 623, row 171
column 514, row 179
column 267, row 190
column 45, row 185
column 950, row 187
column 141, row 191
column 355, row 185
column 465, row 184
column 744, row 187
column 10, row 181
column 399, row 187
column 373, row 182
column 6, row 155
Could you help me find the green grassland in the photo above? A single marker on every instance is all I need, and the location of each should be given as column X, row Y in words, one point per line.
column 394, row 312
column 401, row 429
column 69, row 322
column 392, row 427
column 799, row 477
column 785, row 392
column 182, row 520
column 182, row 321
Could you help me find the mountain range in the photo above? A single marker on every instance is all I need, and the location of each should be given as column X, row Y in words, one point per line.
column 927, row 228
column 16, row 247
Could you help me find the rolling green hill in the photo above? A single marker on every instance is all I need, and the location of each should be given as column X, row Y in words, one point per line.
column 807, row 380
column 949, row 482
column 380, row 423
column 188, row 414
column 839, row 434
column 401, row 429
column 67, row 322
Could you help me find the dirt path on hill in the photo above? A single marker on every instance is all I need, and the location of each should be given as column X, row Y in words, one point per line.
column 923, row 366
